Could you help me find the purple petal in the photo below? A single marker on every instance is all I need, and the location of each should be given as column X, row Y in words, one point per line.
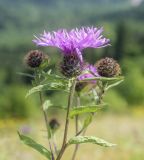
column 76, row 39
column 91, row 73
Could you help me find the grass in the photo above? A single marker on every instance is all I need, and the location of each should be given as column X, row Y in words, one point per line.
column 126, row 131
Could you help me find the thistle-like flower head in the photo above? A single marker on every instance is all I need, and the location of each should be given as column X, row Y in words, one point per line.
column 108, row 67
column 34, row 58
column 54, row 124
column 73, row 41
column 71, row 66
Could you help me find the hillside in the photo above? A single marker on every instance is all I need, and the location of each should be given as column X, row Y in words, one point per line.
column 20, row 20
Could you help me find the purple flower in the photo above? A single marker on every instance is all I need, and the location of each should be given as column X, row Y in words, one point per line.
column 73, row 41
column 25, row 129
column 90, row 71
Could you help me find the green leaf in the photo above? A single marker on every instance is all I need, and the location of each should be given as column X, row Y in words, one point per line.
column 48, row 86
column 90, row 139
column 59, row 107
column 50, row 82
column 113, row 84
column 85, row 109
column 30, row 142
column 54, row 78
column 103, row 79
column 26, row 74
column 44, row 64
column 87, row 121
column 46, row 105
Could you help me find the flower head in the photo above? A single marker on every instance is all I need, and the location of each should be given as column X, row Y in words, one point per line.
column 54, row 124
column 35, row 58
column 90, row 72
column 108, row 67
column 71, row 66
column 73, row 41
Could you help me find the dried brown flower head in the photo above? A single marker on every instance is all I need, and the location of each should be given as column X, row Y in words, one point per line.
column 108, row 67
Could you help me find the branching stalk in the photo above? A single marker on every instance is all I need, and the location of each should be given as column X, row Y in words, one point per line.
column 55, row 146
column 45, row 115
column 77, row 128
column 70, row 100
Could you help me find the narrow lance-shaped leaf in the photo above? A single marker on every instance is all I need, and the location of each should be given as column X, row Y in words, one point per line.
column 48, row 86
column 113, row 84
column 85, row 109
column 103, row 79
column 26, row 74
column 86, row 123
column 90, row 139
column 30, row 142
column 53, row 78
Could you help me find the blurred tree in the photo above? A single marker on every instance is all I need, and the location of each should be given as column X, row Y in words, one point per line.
column 107, row 52
column 121, row 35
column 25, row 79
column 9, row 79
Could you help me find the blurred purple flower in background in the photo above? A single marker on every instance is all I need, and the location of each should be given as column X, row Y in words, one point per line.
column 90, row 72
column 73, row 41
column 25, row 129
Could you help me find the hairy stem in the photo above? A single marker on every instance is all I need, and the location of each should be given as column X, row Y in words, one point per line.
column 46, row 123
column 98, row 101
column 70, row 100
column 76, row 129
column 101, row 93
column 37, row 79
column 55, row 146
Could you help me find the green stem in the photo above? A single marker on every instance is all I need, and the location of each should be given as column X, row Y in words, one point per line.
column 77, row 128
column 37, row 80
column 99, row 101
column 70, row 100
column 46, row 123
column 101, row 92
column 55, row 146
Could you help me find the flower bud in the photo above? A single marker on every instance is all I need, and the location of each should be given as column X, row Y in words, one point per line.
column 35, row 58
column 54, row 124
column 71, row 66
column 108, row 67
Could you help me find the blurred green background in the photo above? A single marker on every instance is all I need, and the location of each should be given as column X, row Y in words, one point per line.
column 123, row 23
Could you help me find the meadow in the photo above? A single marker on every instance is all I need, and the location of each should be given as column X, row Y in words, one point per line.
column 120, row 123
column 124, row 130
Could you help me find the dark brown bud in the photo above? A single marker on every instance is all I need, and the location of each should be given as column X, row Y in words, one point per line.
column 35, row 58
column 108, row 67
column 54, row 124
column 71, row 66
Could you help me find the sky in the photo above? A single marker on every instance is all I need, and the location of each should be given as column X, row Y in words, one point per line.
column 136, row 2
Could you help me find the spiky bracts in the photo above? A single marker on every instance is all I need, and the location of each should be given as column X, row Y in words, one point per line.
column 74, row 40
column 34, row 58
column 108, row 67
column 71, row 66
